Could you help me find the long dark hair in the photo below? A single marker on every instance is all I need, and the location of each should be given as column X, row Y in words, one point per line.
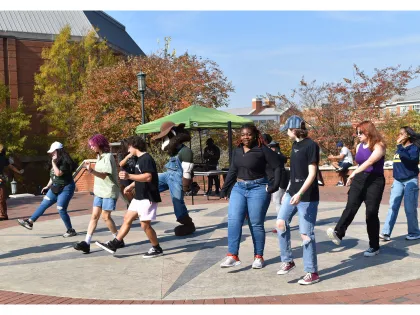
column 258, row 137
column 123, row 147
column 413, row 137
column 64, row 158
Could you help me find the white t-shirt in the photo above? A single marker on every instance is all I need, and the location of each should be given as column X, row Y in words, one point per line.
column 348, row 157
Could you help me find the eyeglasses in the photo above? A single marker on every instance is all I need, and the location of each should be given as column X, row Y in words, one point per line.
column 359, row 133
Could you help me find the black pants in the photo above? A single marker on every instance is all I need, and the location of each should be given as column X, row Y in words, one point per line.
column 368, row 188
column 214, row 178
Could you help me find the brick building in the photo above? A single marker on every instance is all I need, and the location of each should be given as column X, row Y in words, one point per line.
column 23, row 35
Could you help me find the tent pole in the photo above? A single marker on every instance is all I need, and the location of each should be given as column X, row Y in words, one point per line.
column 201, row 149
column 230, row 141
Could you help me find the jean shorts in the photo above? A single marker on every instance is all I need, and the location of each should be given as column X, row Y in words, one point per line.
column 107, row 204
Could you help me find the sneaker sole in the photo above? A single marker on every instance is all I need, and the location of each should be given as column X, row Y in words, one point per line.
column 258, row 267
column 70, row 235
column 154, row 256
column 330, row 233
column 22, row 224
column 281, row 272
column 371, row 255
column 412, row 239
column 228, row 266
column 104, row 248
column 307, row 283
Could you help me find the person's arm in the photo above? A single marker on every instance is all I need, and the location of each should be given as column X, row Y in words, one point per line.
column 312, row 170
column 276, row 182
column 57, row 171
column 216, row 153
column 377, row 154
column 14, row 169
column 145, row 177
column 125, row 160
column 46, row 187
column 101, row 175
column 206, row 154
column 230, row 177
column 409, row 154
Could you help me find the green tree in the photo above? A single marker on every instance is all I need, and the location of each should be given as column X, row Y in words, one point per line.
column 12, row 122
column 60, row 81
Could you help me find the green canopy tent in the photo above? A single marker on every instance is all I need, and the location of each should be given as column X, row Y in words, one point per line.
column 198, row 118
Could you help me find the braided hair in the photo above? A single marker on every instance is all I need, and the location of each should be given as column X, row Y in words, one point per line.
column 258, row 137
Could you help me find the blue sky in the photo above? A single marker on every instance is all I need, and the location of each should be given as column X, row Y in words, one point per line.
column 269, row 51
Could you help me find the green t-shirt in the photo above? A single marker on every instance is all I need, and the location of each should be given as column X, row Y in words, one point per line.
column 64, row 179
column 185, row 155
column 106, row 188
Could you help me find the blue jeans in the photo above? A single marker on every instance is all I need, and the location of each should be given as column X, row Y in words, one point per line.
column 307, row 212
column 172, row 180
column 249, row 197
column 62, row 200
column 409, row 189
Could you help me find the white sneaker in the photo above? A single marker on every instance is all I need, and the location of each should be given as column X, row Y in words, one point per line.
column 412, row 237
column 340, row 184
column 385, row 237
column 258, row 263
column 371, row 252
column 230, row 262
column 333, row 236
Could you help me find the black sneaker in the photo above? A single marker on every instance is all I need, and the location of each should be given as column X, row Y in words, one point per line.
column 122, row 244
column 371, row 252
column 70, row 233
column 26, row 223
column 111, row 246
column 83, row 246
column 153, row 253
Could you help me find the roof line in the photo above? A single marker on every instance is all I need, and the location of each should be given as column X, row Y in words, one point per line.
column 110, row 18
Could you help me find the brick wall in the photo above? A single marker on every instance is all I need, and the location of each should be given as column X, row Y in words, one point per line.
column 331, row 177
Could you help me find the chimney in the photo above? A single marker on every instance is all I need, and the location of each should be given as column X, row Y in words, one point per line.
column 256, row 105
column 270, row 102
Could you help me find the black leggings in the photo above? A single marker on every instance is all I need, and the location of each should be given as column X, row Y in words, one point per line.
column 368, row 188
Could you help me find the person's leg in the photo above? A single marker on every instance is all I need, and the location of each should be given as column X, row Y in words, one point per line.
column 49, row 199
column 397, row 193
column 210, row 184
column 411, row 196
column 150, row 232
column 106, row 216
column 284, row 217
column 63, row 200
column 3, row 202
column 129, row 217
column 374, row 192
column 217, row 183
column 335, row 164
column 96, row 214
column 258, row 200
column 307, row 218
column 237, row 210
column 354, row 200
column 277, row 200
column 163, row 182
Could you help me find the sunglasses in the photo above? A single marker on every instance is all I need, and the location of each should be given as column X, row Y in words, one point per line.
column 359, row 133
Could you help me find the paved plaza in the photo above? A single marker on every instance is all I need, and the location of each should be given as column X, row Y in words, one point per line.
column 41, row 265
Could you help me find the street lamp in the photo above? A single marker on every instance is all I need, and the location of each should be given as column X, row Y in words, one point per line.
column 141, row 81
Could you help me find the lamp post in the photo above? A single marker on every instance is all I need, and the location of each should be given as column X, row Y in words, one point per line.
column 141, row 81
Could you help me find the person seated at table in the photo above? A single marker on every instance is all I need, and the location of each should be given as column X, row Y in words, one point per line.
column 345, row 159
column 211, row 156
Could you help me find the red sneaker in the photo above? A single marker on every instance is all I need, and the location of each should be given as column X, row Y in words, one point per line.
column 274, row 231
column 286, row 267
column 309, row 278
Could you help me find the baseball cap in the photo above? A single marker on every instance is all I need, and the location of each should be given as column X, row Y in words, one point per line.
column 273, row 144
column 340, row 144
column 293, row 122
column 55, row 146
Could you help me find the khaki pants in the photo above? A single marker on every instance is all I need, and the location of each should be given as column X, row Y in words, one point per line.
column 3, row 204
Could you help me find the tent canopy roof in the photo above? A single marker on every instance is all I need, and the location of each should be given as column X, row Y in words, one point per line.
column 196, row 117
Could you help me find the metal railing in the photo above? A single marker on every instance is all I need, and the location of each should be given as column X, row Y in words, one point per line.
column 81, row 168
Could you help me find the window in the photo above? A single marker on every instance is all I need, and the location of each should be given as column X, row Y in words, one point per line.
column 403, row 109
column 416, row 108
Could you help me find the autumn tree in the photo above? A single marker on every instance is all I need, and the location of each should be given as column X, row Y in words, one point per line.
column 332, row 109
column 60, row 81
column 111, row 103
column 12, row 122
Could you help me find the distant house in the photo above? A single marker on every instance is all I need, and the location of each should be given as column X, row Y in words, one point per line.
column 401, row 104
column 262, row 111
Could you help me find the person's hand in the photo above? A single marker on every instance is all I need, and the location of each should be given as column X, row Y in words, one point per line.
column 88, row 166
column 128, row 189
column 44, row 190
column 350, row 179
column 330, row 157
column 295, row 199
column 21, row 171
column 123, row 175
column 401, row 139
